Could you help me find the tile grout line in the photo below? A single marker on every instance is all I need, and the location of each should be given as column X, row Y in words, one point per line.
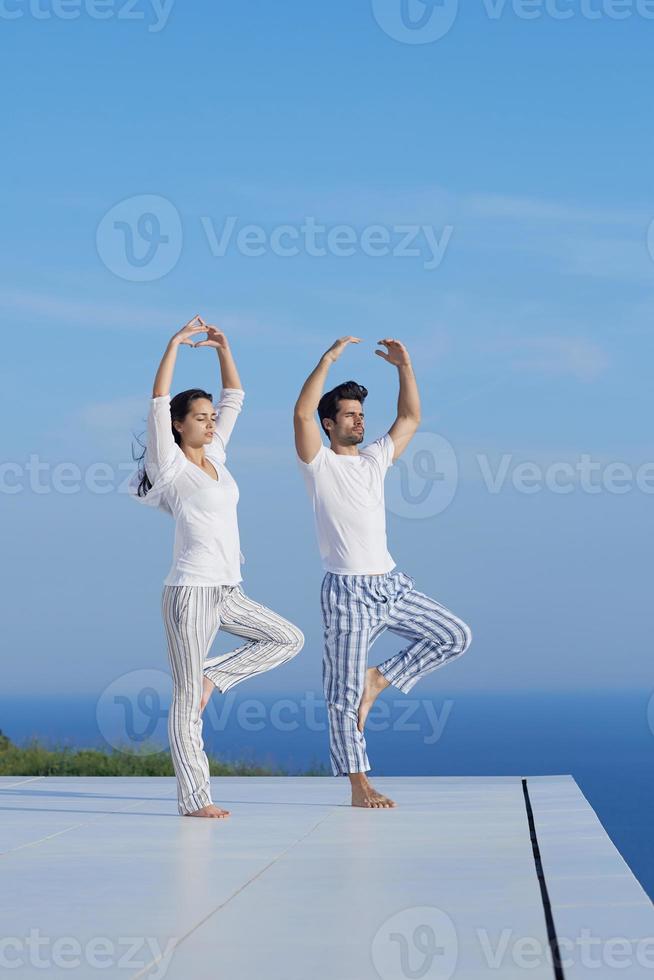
column 21, row 782
column 148, row 966
column 84, row 823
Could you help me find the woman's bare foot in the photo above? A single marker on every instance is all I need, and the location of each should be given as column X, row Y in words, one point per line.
column 207, row 690
column 365, row 795
column 208, row 811
column 374, row 685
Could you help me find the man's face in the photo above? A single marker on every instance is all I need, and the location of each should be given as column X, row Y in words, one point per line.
column 348, row 429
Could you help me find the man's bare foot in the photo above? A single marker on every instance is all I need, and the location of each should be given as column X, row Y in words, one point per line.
column 208, row 811
column 374, row 685
column 207, row 690
column 365, row 795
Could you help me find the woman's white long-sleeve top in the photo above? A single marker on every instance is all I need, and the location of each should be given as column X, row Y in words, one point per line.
column 207, row 549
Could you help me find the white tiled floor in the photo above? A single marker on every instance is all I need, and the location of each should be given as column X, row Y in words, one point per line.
column 604, row 920
column 101, row 877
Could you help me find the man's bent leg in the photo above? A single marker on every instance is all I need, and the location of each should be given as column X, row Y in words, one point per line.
column 438, row 637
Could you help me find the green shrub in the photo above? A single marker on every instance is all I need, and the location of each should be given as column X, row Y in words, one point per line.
column 36, row 759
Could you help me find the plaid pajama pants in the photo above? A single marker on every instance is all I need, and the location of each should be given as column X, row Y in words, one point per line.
column 192, row 616
column 356, row 610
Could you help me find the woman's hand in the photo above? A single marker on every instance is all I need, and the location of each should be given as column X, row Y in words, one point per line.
column 196, row 325
column 164, row 376
column 215, row 338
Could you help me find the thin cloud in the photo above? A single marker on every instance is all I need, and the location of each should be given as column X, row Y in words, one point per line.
column 67, row 311
column 543, row 210
column 79, row 312
column 576, row 356
column 119, row 414
column 379, row 203
column 608, row 258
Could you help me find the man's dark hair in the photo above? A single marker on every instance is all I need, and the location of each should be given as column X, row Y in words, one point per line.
column 328, row 404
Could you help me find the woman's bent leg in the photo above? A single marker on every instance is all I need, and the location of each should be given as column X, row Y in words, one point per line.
column 272, row 640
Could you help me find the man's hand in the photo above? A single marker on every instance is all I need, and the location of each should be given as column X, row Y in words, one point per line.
column 338, row 347
column 395, row 353
column 308, row 438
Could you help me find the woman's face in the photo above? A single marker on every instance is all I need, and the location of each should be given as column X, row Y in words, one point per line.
column 198, row 427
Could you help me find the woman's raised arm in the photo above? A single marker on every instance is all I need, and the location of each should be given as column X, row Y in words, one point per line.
column 231, row 399
column 217, row 339
column 160, row 451
column 164, row 377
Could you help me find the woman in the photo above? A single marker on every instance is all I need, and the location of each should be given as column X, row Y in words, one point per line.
column 184, row 473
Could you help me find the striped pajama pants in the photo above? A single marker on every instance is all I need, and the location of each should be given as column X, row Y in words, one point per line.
column 356, row 609
column 192, row 616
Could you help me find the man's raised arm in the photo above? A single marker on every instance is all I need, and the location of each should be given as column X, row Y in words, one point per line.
column 307, row 432
column 408, row 402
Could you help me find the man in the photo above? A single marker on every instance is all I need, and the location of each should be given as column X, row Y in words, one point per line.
column 362, row 592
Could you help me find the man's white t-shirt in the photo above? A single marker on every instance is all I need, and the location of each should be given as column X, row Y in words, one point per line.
column 206, row 549
column 347, row 493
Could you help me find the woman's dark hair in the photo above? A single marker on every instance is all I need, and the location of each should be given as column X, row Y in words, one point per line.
column 328, row 404
column 180, row 406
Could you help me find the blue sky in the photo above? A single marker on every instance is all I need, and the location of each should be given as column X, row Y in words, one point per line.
column 523, row 147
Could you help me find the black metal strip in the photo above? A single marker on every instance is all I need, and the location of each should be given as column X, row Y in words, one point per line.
column 544, row 894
